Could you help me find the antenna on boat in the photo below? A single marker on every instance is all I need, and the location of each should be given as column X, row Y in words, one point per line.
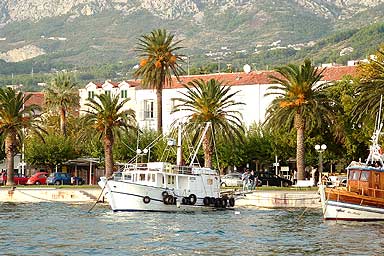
column 201, row 140
column 375, row 149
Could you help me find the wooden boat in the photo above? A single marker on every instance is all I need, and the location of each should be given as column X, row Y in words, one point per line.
column 363, row 197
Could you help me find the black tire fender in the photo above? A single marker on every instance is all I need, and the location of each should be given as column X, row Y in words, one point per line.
column 185, row 200
column 206, row 201
column 164, row 194
column 218, row 202
column 192, row 199
column 231, row 201
column 169, row 199
column 146, row 199
column 224, row 203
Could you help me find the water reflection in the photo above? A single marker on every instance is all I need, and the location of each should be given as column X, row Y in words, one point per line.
column 62, row 229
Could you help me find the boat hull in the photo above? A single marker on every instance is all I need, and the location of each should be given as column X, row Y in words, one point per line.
column 125, row 196
column 344, row 210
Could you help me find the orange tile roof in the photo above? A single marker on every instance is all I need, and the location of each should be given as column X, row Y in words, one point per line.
column 37, row 98
column 254, row 77
column 99, row 85
column 114, row 84
column 337, row 73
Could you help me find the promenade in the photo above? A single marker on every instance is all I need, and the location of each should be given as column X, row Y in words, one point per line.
column 279, row 199
column 258, row 198
column 24, row 194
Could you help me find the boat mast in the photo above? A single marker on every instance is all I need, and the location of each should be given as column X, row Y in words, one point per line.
column 179, row 156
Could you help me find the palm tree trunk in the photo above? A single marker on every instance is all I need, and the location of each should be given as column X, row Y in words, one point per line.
column 63, row 125
column 208, row 151
column 159, row 95
column 300, row 149
column 108, row 153
column 10, row 152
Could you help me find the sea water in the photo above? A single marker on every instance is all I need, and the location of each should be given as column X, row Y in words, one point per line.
column 70, row 229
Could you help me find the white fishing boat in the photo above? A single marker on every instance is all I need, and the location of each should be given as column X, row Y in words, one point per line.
column 363, row 197
column 163, row 187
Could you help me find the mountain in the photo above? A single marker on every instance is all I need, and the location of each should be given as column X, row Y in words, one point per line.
column 55, row 34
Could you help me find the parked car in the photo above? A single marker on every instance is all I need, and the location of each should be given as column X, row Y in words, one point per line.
column 343, row 182
column 272, row 179
column 61, row 178
column 38, row 178
column 231, row 180
column 336, row 181
column 17, row 179
column 234, row 180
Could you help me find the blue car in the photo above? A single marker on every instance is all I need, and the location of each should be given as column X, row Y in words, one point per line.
column 61, row 178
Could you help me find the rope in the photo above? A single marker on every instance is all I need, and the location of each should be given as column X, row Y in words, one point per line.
column 97, row 200
column 43, row 199
column 302, row 214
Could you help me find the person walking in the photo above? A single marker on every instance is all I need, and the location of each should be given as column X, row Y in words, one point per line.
column 294, row 177
column 252, row 180
column 245, row 178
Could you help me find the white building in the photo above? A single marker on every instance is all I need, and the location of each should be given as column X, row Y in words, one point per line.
column 252, row 87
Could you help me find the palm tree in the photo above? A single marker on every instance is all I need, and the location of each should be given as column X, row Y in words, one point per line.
column 61, row 95
column 211, row 101
column 301, row 103
column 107, row 116
column 370, row 87
column 158, row 61
column 14, row 117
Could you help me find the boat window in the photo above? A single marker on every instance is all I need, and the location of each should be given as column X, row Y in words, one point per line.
column 162, row 180
column 364, row 176
column 170, row 179
column 351, row 174
column 153, row 177
column 117, row 176
column 356, row 175
column 148, row 177
column 128, row 177
column 142, row 177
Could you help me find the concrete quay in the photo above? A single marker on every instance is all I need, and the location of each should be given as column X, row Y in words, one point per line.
column 48, row 194
column 257, row 198
column 278, row 199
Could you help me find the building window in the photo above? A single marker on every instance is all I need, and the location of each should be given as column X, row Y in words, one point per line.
column 149, row 109
column 108, row 93
column 91, row 94
column 124, row 94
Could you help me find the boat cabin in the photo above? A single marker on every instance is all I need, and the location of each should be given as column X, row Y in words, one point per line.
column 163, row 174
column 367, row 180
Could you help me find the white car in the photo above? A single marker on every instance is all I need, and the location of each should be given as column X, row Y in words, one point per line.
column 231, row 180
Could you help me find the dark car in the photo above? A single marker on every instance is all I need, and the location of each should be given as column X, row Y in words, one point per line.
column 61, row 178
column 272, row 179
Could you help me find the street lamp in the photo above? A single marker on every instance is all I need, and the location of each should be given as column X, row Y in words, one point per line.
column 320, row 149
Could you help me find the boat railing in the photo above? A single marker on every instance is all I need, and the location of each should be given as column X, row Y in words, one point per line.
column 373, row 192
column 182, row 170
column 204, row 170
column 135, row 167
